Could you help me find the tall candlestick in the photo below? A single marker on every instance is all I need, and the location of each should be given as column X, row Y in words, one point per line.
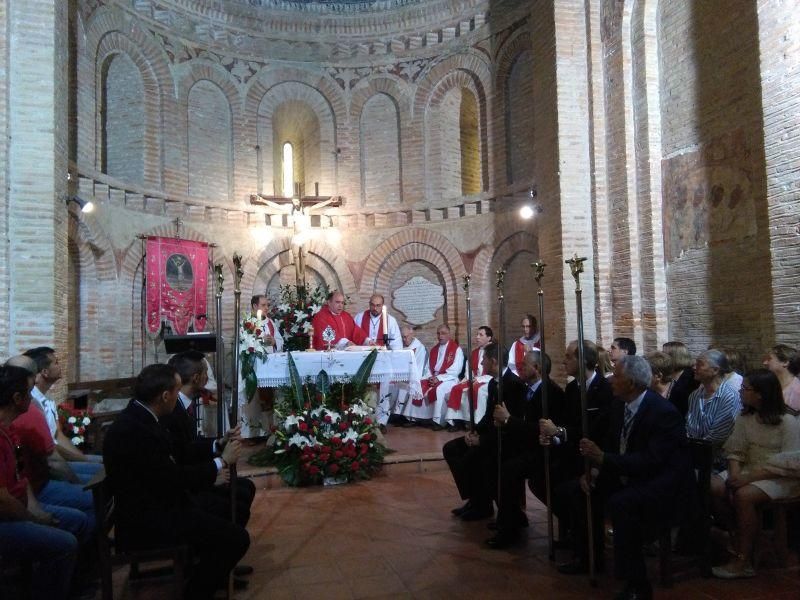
column 385, row 321
column 258, row 315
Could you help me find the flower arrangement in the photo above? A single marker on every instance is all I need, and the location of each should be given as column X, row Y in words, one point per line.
column 294, row 311
column 317, row 445
column 74, row 423
column 251, row 347
column 325, row 432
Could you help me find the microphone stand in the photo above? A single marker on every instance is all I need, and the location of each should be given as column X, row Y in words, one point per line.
column 576, row 267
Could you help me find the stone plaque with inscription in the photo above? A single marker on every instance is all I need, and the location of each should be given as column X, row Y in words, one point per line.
column 419, row 299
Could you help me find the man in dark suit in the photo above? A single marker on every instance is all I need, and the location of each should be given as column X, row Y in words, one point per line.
column 473, row 458
column 562, row 436
column 523, row 455
column 153, row 493
column 644, row 461
column 189, row 448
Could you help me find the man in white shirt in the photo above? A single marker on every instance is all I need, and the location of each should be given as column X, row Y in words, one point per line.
column 372, row 322
column 259, row 305
column 445, row 362
column 83, row 465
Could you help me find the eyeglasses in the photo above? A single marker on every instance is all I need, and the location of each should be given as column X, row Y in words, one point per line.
column 746, row 388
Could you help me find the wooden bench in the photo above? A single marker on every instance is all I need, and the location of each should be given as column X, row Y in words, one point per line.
column 109, row 555
column 779, row 534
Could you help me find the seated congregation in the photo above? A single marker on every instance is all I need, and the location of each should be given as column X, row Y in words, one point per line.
column 170, row 487
column 643, row 416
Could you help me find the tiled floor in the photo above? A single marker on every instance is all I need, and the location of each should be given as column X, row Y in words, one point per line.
column 394, row 537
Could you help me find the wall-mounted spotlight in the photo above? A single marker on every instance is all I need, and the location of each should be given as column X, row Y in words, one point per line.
column 527, row 211
column 87, row 206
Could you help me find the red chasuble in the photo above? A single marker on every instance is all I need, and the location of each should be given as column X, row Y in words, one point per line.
column 454, row 400
column 449, row 358
column 343, row 324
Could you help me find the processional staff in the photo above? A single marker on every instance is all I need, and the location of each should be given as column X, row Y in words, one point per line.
column 237, row 301
column 538, row 275
column 471, row 392
column 219, row 360
column 500, row 356
column 576, row 267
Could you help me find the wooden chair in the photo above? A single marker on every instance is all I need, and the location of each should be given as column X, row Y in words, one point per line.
column 779, row 532
column 702, row 461
column 109, row 555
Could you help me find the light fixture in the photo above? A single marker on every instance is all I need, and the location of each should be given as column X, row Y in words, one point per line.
column 526, row 212
column 87, row 206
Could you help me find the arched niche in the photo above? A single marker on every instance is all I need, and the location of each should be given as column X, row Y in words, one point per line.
column 379, row 133
column 210, row 142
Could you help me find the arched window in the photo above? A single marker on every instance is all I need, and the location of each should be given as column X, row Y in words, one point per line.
column 288, row 170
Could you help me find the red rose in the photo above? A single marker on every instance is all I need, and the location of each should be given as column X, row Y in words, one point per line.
column 364, row 448
column 333, row 469
column 336, row 440
column 251, row 350
column 328, row 419
column 338, row 454
column 258, row 332
column 367, row 421
column 343, row 426
column 354, row 466
column 313, row 470
column 302, row 426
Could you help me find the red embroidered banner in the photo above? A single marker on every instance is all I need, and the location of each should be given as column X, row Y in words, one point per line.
column 177, row 284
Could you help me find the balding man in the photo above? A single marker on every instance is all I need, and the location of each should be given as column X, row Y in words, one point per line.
column 445, row 362
column 333, row 316
column 371, row 322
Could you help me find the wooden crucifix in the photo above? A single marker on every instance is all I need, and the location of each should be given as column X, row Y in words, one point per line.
column 299, row 209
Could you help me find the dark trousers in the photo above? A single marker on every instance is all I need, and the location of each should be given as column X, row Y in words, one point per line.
column 514, row 471
column 571, row 502
column 633, row 526
column 218, row 544
column 472, row 469
column 217, row 500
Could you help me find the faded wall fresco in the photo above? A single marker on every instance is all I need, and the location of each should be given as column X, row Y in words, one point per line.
column 708, row 195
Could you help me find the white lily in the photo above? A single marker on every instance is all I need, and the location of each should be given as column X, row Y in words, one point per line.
column 307, row 326
column 350, row 436
column 298, row 440
column 290, row 421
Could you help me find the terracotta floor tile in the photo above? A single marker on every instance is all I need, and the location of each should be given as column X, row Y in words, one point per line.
column 370, row 586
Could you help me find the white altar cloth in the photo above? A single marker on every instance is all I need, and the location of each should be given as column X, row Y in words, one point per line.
column 390, row 365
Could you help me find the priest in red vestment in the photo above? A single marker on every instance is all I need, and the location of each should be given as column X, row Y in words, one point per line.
column 458, row 402
column 334, row 316
column 529, row 341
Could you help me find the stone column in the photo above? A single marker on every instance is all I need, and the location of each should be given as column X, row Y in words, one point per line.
column 35, row 162
column 779, row 32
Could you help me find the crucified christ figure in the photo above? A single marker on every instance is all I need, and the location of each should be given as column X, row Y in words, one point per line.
column 301, row 220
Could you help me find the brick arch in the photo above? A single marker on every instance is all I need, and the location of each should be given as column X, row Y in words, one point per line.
column 393, row 87
column 320, row 257
column 107, row 32
column 416, row 244
column 453, row 80
column 501, row 254
column 507, row 56
column 321, row 107
column 470, row 62
column 203, row 70
column 384, row 182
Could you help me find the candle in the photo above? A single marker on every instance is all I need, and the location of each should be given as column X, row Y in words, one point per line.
column 258, row 315
column 385, row 320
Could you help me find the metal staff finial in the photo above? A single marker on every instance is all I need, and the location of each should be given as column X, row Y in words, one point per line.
column 538, row 268
column 467, row 277
column 576, row 267
column 501, row 273
column 237, row 273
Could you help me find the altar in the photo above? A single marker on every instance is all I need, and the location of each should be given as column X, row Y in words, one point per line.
column 273, row 372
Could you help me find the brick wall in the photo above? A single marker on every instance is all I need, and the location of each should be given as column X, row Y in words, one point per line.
column 122, row 127
column 380, row 151
column 210, row 132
